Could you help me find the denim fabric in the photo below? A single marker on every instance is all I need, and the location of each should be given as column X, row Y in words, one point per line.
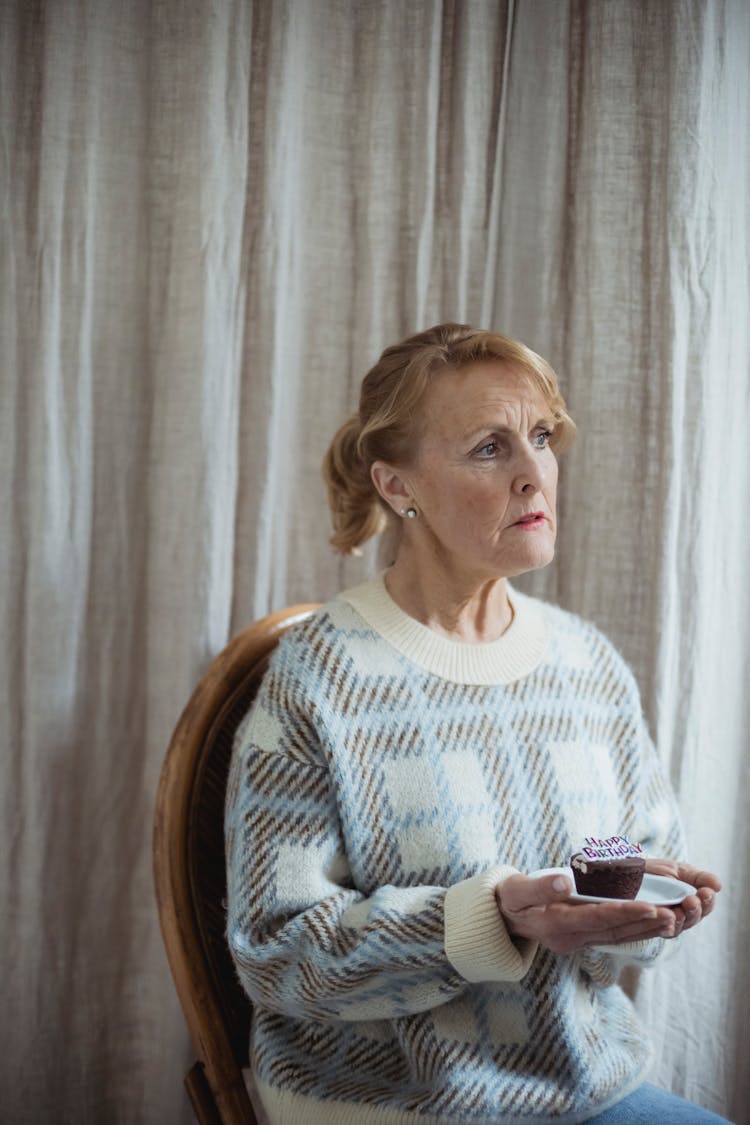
column 648, row 1105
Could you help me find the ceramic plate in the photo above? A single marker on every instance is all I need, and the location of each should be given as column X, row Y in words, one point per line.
column 661, row 890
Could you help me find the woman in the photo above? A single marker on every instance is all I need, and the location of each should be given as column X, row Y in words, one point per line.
column 418, row 749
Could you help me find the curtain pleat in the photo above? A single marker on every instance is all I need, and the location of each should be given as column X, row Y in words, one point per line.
column 214, row 217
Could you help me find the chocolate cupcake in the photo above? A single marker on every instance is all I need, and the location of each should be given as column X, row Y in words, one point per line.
column 609, row 868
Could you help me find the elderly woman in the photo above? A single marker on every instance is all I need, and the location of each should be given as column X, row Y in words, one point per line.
column 419, row 748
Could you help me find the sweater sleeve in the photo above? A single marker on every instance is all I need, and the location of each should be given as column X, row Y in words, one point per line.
column 305, row 941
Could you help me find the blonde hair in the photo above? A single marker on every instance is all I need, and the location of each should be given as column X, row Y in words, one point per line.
column 387, row 426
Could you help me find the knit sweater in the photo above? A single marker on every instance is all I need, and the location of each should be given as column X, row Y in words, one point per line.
column 385, row 781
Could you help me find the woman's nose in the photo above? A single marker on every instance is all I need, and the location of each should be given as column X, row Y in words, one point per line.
column 529, row 476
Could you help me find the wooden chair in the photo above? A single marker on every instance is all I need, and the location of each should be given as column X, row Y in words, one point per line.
column 190, row 875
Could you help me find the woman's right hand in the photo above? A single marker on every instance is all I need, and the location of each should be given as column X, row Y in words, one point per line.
column 536, row 908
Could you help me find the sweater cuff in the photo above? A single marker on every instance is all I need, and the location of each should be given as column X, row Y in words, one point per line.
column 477, row 944
column 641, row 954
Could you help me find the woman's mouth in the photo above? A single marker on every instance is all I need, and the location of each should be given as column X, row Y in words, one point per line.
column 530, row 522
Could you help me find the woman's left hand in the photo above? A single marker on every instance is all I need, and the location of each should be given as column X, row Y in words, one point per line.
column 694, row 908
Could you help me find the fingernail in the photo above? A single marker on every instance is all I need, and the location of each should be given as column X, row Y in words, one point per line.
column 668, row 931
column 559, row 884
column 648, row 915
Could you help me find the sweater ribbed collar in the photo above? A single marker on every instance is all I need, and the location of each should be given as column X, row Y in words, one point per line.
column 516, row 653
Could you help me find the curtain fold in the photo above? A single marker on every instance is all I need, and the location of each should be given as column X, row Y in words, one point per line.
column 214, row 217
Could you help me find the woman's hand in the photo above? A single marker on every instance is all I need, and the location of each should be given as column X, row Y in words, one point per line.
column 694, row 908
column 536, row 908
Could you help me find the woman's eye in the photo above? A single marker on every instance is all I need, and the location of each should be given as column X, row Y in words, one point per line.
column 541, row 440
column 489, row 449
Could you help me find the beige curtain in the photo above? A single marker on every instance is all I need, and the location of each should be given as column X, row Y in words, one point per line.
column 215, row 213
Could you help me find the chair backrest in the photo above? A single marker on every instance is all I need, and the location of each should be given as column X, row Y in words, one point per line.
column 189, row 869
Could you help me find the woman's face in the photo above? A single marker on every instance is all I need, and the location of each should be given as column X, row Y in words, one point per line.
column 485, row 479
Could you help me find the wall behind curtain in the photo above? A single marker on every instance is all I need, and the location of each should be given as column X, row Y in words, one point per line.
column 214, row 216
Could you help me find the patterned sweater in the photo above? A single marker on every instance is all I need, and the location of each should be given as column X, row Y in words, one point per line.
column 384, row 782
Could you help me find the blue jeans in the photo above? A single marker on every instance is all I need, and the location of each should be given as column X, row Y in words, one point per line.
column 648, row 1105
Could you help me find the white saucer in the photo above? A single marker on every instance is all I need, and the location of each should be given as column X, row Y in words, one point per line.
column 661, row 890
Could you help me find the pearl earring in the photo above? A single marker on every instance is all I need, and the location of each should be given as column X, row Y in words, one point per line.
column 411, row 513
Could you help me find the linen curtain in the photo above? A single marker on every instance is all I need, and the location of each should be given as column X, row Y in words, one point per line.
column 215, row 214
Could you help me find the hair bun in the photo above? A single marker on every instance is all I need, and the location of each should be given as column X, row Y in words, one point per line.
column 356, row 512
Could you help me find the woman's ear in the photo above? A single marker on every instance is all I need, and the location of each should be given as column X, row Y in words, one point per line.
column 391, row 486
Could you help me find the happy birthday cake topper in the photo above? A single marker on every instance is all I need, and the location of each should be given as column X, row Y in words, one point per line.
column 614, row 847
